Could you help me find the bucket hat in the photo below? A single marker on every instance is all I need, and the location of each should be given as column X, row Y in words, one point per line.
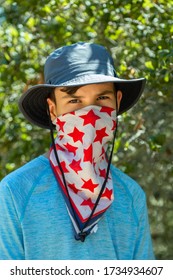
column 74, row 65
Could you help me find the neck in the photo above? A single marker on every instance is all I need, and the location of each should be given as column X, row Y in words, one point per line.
column 46, row 154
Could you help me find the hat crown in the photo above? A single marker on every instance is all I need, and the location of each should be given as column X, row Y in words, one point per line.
column 80, row 59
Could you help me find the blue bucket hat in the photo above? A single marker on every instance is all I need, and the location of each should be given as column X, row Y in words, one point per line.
column 76, row 65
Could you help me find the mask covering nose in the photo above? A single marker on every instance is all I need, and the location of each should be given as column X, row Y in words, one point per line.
column 79, row 161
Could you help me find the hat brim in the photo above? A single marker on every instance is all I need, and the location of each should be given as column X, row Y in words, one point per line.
column 33, row 102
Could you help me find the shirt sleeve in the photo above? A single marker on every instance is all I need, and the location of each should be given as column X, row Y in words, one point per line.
column 11, row 239
column 144, row 248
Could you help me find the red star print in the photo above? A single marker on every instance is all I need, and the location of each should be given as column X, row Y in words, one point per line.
column 94, row 164
column 90, row 118
column 57, row 169
column 89, row 185
column 107, row 110
column 103, row 152
column 71, row 148
column 59, row 148
column 88, row 154
column 72, row 113
column 75, row 165
column 114, row 125
column 88, row 202
column 73, row 188
column 61, row 137
column 102, row 173
column 77, row 135
column 63, row 165
column 100, row 134
column 61, row 125
column 107, row 193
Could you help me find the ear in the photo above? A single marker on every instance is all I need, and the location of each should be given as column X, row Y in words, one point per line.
column 119, row 97
column 52, row 109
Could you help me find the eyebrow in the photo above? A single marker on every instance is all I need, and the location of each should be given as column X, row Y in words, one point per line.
column 107, row 91
column 73, row 95
column 70, row 95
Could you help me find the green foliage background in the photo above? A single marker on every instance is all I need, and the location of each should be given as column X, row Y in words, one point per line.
column 139, row 34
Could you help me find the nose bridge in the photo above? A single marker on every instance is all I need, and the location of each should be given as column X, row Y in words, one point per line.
column 90, row 102
column 90, row 99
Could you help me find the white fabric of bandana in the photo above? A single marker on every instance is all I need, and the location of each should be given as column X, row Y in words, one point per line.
column 81, row 144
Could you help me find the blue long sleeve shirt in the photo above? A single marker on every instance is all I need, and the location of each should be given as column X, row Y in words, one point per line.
column 35, row 225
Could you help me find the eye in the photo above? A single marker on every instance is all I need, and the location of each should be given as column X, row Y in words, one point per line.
column 75, row 100
column 102, row 97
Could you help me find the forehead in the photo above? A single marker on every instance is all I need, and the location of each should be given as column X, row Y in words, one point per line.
column 91, row 88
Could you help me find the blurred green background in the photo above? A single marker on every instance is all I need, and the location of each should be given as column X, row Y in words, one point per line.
column 139, row 34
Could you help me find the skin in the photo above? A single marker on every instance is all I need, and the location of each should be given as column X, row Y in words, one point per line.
column 96, row 94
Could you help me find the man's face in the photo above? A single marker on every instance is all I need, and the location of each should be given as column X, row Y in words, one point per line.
column 95, row 94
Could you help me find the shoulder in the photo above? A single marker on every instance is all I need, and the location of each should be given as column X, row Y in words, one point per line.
column 128, row 192
column 126, row 183
column 27, row 172
column 18, row 186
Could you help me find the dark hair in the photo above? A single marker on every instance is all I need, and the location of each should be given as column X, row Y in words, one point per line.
column 70, row 90
column 52, row 95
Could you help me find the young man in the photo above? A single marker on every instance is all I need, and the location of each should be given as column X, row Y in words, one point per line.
column 72, row 203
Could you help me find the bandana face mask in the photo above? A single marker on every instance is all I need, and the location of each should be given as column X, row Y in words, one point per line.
column 79, row 161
